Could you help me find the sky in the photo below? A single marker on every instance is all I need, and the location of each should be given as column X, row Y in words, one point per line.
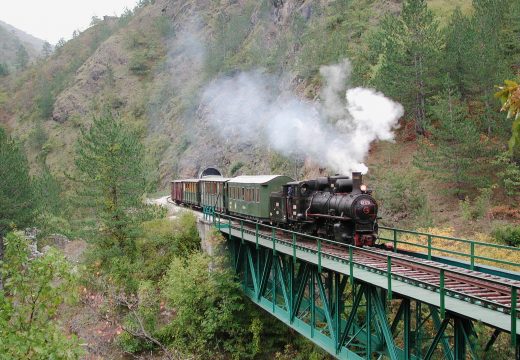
column 51, row 20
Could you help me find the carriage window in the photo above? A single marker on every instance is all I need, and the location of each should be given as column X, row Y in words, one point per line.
column 257, row 195
column 242, row 197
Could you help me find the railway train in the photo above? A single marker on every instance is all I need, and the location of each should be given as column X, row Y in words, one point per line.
column 338, row 207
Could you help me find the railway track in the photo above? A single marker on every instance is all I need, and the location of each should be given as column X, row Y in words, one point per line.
column 472, row 286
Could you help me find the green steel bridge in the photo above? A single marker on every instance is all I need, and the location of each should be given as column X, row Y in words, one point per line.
column 379, row 303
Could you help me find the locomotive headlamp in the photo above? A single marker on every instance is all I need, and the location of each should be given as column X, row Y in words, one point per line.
column 363, row 188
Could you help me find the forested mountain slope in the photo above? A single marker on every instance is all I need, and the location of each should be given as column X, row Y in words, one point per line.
column 152, row 65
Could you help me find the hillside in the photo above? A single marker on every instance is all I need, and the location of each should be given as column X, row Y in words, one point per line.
column 11, row 39
column 153, row 65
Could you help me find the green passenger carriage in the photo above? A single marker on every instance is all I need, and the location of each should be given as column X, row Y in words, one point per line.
column 248, row 196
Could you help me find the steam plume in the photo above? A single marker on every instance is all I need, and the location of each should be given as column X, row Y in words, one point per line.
column 251, row 107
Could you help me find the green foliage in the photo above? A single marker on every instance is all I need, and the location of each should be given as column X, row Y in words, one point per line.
column 402, row 197
column 231, row 30
column 17, row 205
column 407, row 67
column 111, row 182
column 209, row 309
column 46, row 49
column 478, row 208
column 22, row 58
column 507, row 234
column 146, row 47
column 4, row 69
column 139, row 63
column 475, row 60
column 33, row 292
column 45, row 102
column 235, row 167
column 143, row 315
column 509, row 95
column 52, row 208
column 452, row 153
column 508, row 173
column 37, row 138
column 163, row 239
column 330, row 37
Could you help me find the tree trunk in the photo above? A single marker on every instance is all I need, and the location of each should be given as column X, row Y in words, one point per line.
column 419, row 97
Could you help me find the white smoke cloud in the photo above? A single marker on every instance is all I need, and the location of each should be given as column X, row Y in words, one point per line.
column 250, row 107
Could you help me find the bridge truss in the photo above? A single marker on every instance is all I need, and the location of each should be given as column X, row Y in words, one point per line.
column 355, row 308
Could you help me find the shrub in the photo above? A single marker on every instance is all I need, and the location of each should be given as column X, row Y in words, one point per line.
column 139, row 63
column 210, row 312
column 402, row 197
column 478, row 208
column 141, row 319
column 508, row 174
column 507, row 234
column 236, row 167
column 34, row 290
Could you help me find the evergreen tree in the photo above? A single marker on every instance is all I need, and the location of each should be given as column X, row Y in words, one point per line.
column 109, row 162
column 460, row 37
column 17, row 205
column 46, row 49
column 453, row 151
column 410, row 53
column 22, row 58
column 4, row 69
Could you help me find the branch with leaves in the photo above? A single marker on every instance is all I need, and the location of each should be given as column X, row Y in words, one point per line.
column 509, row 95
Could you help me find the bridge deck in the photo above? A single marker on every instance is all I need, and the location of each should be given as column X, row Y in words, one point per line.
column 474, row 311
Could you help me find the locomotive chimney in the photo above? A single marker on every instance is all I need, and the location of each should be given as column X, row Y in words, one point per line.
column 357, row 179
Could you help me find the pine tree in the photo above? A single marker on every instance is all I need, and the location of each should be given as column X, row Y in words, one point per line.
column 4, row 69
column 17, row 205
column 460, row 37
column 453, row 152
column 22, row 58
column 410, row 53
column 109, row 162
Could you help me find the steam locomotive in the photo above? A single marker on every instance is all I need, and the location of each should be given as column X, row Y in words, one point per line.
column 340, row 208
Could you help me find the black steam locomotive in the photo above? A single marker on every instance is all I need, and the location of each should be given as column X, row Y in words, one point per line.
column 335, row 207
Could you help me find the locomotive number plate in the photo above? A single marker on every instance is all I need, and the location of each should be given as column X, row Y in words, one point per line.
column 365, row 202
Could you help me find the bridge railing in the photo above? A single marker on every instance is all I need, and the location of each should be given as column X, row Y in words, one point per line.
column 439, row 245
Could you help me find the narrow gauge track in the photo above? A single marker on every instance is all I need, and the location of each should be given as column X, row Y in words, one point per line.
column 482, row 289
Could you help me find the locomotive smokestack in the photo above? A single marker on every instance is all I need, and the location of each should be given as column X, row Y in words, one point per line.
column 357, row 179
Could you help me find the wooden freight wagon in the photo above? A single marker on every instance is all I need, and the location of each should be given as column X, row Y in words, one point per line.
column 176, row 191
column 191, row 192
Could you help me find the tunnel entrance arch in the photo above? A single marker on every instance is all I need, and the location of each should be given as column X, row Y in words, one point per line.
column 210, row 171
